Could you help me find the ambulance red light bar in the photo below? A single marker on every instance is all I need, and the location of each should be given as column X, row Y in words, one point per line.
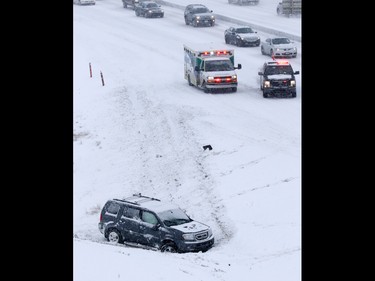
column 216, row 53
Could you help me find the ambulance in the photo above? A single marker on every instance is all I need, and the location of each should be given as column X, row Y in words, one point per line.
column 210, row 68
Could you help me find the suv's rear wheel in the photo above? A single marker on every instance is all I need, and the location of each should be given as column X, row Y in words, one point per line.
column 169, row 247
column 114, row 236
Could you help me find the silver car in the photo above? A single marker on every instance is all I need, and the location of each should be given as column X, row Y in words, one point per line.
column 278, row 47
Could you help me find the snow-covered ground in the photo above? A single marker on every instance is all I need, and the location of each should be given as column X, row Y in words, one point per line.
column 143, row 131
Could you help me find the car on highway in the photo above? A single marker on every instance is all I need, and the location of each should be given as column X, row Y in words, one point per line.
column 278, row 47
column 277, row 79
column 84, row 2
column 241, row 36
column 149, row 9
column 198, row 15
column 153, row 224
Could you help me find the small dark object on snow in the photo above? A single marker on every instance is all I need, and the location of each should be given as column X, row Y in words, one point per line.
column 207, row 146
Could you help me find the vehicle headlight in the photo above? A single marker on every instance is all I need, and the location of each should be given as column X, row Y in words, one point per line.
column 209, row 232
column 162, row 11
column 188, row 236
column 234, row 76
column 267, row 84
column 212, row 17
column 295, row 49
column 150, row 11
column 197, row 17
column 292, row 83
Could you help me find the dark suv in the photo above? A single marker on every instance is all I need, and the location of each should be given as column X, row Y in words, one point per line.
column 277, row 79
column 198, row 15
column 145, row 221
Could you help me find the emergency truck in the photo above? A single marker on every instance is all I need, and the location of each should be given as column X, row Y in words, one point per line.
column 210, row 68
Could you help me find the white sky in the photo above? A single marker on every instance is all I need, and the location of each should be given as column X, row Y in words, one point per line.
column 144, row 131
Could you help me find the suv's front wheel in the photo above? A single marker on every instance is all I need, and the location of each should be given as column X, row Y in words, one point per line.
column 114, row 236
column 169, row 247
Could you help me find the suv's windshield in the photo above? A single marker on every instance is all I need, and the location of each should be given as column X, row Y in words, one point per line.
column 219, row 65
column 200, row 10
column 174, row 217
column 271, row 70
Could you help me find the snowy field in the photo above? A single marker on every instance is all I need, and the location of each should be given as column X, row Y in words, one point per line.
column 143, row 131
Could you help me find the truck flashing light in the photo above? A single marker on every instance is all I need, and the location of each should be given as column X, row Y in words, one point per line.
column 283, row 62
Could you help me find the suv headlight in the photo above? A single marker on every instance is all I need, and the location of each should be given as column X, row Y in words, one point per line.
column 188, row 236
column 292, row 83
column 267, row 84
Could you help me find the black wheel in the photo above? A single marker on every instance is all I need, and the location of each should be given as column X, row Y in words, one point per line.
column 114, row 236
column 239, row 43
column 294, row 95
column 169, row 247
column 271, row 53
column 262, row 50
column 226, row 40
column 137, row 13
column 205, row 89
column 265, row 95
column 234, row 89
column 186, row 21
column 189, row 81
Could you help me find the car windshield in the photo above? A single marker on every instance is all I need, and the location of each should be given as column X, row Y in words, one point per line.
column 152, row 5
column 174, row 217
column 200, row 10
column 272, row 70
column 278, row 41
column 219, row 65
column 244, row 30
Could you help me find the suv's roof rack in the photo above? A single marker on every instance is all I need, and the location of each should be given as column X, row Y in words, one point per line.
column 141, row 199
column 142, row 196
column 126, row 201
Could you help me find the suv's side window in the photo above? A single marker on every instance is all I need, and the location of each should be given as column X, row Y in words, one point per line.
column 149, row 217
column 131, row 213
column 113, row 209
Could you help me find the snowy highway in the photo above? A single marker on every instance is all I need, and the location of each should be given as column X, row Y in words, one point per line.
column 144, row 129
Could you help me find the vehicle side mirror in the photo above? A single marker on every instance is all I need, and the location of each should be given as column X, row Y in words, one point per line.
column 260, row 73
column 239, row 66
column 196, row 68
column 296, row 72
column 156, row 226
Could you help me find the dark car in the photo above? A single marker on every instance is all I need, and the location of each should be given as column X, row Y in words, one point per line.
column 151, row 223
column 149, row 9
column 130, row 3
column 241, row 36
column 198, row 15
column 277, row 79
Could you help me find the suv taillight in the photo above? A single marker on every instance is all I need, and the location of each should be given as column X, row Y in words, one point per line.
column 100, row 218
